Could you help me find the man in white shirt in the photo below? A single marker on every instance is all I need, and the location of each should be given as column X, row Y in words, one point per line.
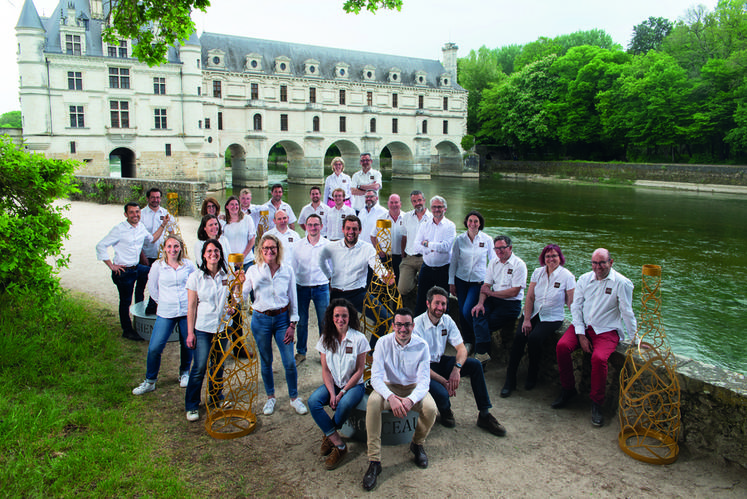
column 370, row 213
column 400, row 377
column 276, row 203
column 500, row 297
column 311, row 283
column 151, row 217
column 436, row 328
column 287, row 236
column 315, row 206
column 412, row 260
column 245, row 204
column 364, row 179
column 336, row 215
column 434, row 241
column 394, row 215
column 601, row 304
column 127, row 239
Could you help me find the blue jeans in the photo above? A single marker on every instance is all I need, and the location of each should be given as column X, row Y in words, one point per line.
column 125, row 282
column 321, row 397
column 162, row 329
column 468, row 294
column 264, row 328
column 203, row 343
column 320, row 296
column 498, row 314
column 472, row 368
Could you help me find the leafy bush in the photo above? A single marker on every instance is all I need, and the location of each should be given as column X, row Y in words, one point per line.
column 31, row 228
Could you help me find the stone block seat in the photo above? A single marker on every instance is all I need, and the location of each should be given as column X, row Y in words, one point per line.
column 394, row 430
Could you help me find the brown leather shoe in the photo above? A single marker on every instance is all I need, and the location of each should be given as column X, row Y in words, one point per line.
column 335, row 457
column 491, row 424
column 327, row 446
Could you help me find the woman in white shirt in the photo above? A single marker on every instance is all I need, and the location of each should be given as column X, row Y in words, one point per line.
column 275, row 316
column 167, row 281
column 207, row 292
column 343, row 350
column 550, row 287
column 337, row 180
column 470, row 255
column 210, row 228
column 239, row 230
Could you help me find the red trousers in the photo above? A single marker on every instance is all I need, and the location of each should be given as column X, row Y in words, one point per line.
column 602, row 346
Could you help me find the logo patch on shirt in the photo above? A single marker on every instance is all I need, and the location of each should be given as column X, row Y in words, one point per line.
column 321, row 213
column 444, row 332
column 342, row 216
column 608, row 291
column 556, row 285
column 344, row 180
column 161, row 217
column 348, row 349
column 290, row 239
column 371, row 177
column 510, row 271
column 224, row 282
column 482, row 245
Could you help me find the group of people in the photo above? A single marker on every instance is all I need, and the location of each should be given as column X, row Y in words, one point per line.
column 331, row 265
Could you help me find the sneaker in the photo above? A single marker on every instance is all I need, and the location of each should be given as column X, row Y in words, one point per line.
column 269, row 407
column 335, row 457
column 299, row 406
column 184, row 380
column 144, row 387
column 193, row 415
column 491, row 424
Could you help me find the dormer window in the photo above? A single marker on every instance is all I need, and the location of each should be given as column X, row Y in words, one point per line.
column 311, row 67
column 395, row 76
column 342, row 70
column 253, row 63
column 283, row 65
column 368, row 73
column 421, row 77
column 216, row 59
column 445, row 80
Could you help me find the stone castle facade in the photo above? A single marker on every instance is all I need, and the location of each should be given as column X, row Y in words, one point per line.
column 84, row 99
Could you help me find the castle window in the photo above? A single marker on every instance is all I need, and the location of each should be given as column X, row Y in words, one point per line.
column 257, row 122
column 74, row 80
column 72, row 147
column 255, row 91
column 111, row 51
column 342, row 97
column 315, row 124
column 119, row 78
column 72, row 45
column 120, row 114
column 283, row 122
column 207, row 123
column 420, row 101
column 369, row 98
column 220, row 121
column 283, row 93
column 123, row 49
column 168, row 150
column 159, row 86
column 343, row 124
column 395, row 125
column 312, row 95
column 160, row 118
column 216, row 89
column 446, row 103
column 372, row 125
column 76, row 117
column 425, row 127
column 446, row 127
column 395, row 100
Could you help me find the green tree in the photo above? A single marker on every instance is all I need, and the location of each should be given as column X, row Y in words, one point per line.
column 649, row 35
column 475, row 73
column 31, row 227
column 159, row 24
column 11, row 119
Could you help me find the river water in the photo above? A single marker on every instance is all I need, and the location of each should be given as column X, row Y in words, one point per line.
column 699, row 240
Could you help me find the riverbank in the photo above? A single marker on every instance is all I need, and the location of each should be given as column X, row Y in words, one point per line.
column 546, row 453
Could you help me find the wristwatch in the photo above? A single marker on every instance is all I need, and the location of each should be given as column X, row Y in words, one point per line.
column 458, row 365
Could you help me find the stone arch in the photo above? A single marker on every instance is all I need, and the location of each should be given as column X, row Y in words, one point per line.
column 125, row 158
column 402, row 157
column 296, row 159
column 448, row 159
column 237, row 154
column 350, row 153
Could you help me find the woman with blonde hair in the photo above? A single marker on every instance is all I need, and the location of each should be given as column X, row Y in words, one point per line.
column 275, row 316
column 337, row 180
column 167, row 285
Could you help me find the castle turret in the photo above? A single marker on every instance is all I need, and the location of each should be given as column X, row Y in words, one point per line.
column 33, row 83
column 450, row 59
column 190, row 54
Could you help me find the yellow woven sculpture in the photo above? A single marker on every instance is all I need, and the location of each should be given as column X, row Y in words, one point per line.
column 649, row 388
column 231, row 376
column 173, row 226
column 381, row 300
column 263, row 224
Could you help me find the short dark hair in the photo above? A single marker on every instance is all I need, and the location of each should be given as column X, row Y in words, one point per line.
column 475, row 213
column 436, row 290
column 417, row 193
column 505, row 239
column 314, row 187
column 550, row 247
column 352, row 218
column 275, row 186
column 366, row 154
column 152, row 190
column 314, row 215
column 131, row 203
column 404, row 311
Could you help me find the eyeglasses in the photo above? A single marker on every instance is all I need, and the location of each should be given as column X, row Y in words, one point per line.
column 400, row 325
column 599, row 264
column 269, row 248
column 498, row 248
column 438, row 207
column 553, row 255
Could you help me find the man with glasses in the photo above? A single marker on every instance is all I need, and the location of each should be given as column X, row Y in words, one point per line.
column 434, row 241
column 436, row 327
column 602, row 302
column 400, row 377
column 363, row 180
column 500, row 296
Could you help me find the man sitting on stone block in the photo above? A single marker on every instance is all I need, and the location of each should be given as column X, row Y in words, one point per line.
column 400, row 377
column 436, row 328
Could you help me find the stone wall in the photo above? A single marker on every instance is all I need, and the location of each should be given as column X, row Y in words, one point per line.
column 107, row 190
column 700, row 174
column 713, row 401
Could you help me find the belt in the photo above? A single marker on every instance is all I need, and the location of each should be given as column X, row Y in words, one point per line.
column 131, row 268
column 273, row 313
column 418, row 255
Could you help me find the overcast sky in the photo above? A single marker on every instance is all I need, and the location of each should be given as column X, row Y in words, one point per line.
column 419, row 30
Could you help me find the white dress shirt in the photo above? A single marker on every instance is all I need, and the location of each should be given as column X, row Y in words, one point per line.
column 151, row 220
column 212, row 293
column 320, row 210
column 397, row 231
column 127, row 242
column 272, row 292
column 347, row 268
column 334, row 219
column 306, row 262
column 369, row 218
column 238, row 235
column 271, row 215
column 507, row 275
column 253, row 211
column 401, row 365
column 440, row 237
column 168, row 287
column 341, row 362
column 288, row 239
column 412, row 224
column 334, row 181
column 223, row 240
column 360, row 178
column 604, row 305
column 469, row 259
column 436, row 335
column 549, row 292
